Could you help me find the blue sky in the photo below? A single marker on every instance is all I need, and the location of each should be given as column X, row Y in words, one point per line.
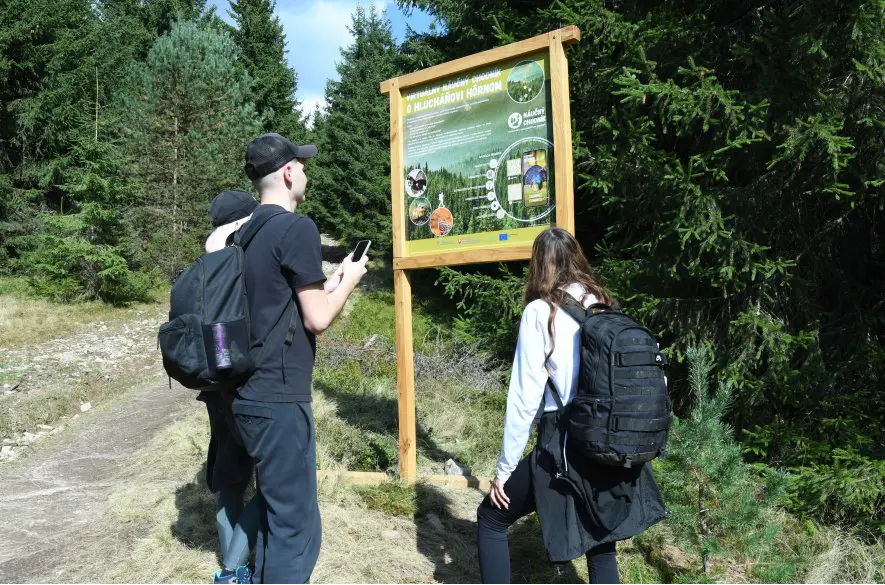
column 315, row 32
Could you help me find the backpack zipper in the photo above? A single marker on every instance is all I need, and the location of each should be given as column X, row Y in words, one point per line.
column 202, row 292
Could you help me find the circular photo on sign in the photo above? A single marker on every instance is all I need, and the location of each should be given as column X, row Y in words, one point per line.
column 525, row 81
column 416, row 183
column 441, row 221
column 419, row 211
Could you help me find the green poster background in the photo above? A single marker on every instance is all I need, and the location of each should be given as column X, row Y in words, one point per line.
column 478, row 154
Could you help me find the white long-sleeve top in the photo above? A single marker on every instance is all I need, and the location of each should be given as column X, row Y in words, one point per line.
column 529, row 377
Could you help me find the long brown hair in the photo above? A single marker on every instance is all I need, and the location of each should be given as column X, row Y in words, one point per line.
column 557, row 262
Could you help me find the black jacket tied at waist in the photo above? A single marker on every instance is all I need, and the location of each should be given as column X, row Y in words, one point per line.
column 582, row 504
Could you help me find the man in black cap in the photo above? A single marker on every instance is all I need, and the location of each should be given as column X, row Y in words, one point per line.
column 284, row 281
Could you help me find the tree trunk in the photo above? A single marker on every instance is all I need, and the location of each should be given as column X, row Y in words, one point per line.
column 96, row 104
column 704, row 529
column 175, row 176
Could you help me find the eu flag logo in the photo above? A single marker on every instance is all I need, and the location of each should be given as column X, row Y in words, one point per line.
column 502, row 237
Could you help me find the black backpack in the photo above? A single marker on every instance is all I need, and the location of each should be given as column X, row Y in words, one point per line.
column 206, row 343
column 620, row 415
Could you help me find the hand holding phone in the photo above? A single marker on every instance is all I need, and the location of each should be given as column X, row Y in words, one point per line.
column 354, row 266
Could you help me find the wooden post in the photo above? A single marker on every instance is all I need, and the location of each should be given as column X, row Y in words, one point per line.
column 562, row 133
column 402, row 287
column 405, row 379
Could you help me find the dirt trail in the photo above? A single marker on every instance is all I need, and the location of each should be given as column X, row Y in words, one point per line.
column 97, row 353
column 52, row 503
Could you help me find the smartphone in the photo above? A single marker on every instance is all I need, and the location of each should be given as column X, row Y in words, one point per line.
column 360, row 249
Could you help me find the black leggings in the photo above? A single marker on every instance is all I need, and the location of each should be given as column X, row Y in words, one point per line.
column 494, row 554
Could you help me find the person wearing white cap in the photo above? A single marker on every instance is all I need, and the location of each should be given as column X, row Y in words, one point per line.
column 228, row 464
column 229, row 211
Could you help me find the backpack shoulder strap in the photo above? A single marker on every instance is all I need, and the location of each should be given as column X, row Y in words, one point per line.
column 575, row 310
column 556, row 397
column 245, row 234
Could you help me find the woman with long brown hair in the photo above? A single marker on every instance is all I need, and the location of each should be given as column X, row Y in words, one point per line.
column 593, row 506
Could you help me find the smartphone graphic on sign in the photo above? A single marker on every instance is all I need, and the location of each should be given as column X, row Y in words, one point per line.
column 535, row 178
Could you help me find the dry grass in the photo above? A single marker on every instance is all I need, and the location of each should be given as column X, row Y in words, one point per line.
column 25, row 320
column 847, row 560
column 169, row 512
column 168, row 505
column 389, row 533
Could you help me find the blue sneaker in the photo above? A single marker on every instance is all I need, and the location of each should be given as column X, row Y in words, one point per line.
column 242, row 574
column 225, row 576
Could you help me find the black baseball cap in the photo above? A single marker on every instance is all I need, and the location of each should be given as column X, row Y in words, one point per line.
column 271, row 151
column 229, row 206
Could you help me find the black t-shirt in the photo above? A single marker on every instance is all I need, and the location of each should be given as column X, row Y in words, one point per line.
column 285, row 254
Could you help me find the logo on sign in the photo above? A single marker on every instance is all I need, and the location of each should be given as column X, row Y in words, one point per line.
column 502, row 237
column 515, row 120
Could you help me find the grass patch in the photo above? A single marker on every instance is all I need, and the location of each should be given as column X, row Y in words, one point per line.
column 391, row 498
column 15, row 286
column 845, row 559
column 373, row 315
column 25, row 319
column 459, row 394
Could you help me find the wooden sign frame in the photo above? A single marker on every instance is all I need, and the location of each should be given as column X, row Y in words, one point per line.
column 551, row 44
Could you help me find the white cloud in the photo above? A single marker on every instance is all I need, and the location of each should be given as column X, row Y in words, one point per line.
column 311, row 102
column 316, row 30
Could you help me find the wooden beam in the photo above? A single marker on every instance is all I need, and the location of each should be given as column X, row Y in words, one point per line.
column 562, row 133
column 377, row 477
column 567, row 36
column 397, row 181
column 455, row 257
column 405, row 376
column 354, row 477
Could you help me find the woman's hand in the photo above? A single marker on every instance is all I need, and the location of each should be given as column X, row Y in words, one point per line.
column 497, row 495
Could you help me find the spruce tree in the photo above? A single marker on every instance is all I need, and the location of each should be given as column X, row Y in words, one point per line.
column 350, row 192
column 85, row 253
column 189, row 116
column 716, row 504
column 59, row 64
column 262, row 42
column 160, row 15
column 728, row 170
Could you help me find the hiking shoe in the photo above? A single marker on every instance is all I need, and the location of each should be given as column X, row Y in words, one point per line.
column 225, row 576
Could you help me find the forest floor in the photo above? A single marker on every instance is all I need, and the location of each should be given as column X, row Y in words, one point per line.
column 103, row 468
